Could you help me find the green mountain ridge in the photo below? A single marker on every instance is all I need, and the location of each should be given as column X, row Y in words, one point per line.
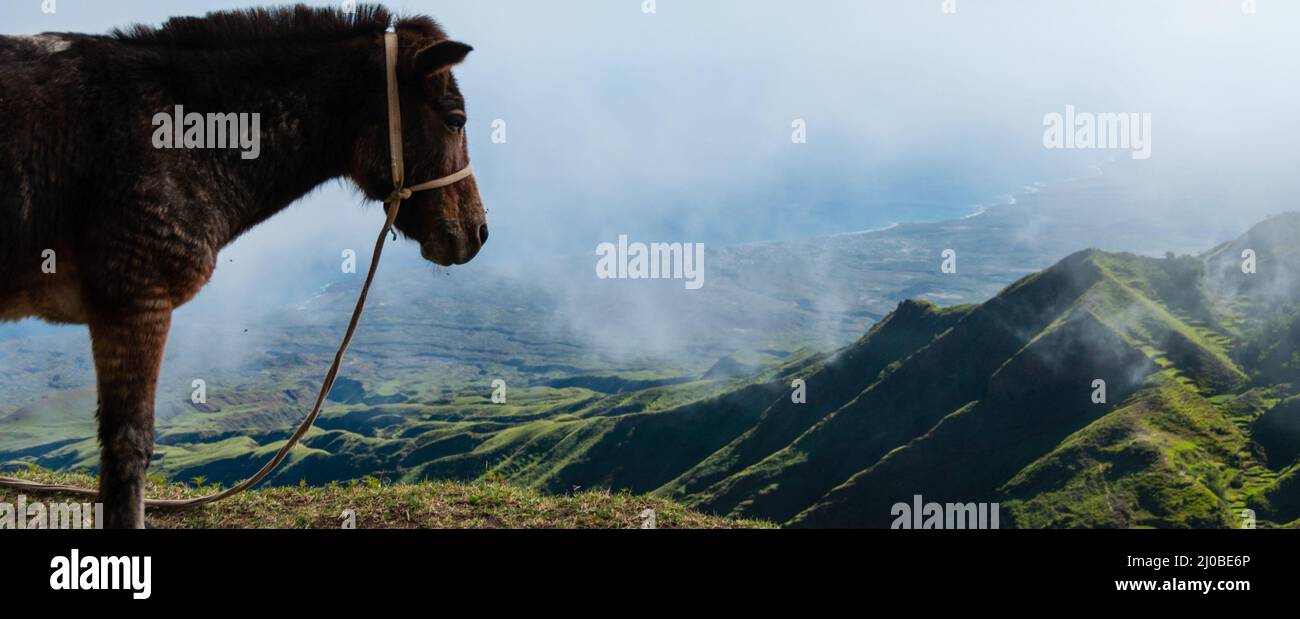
column 1168, row 454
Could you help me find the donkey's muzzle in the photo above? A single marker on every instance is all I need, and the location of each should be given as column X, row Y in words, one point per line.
column 456, row 244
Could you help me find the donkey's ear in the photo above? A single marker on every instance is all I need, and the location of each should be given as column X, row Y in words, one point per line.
column 440, row 57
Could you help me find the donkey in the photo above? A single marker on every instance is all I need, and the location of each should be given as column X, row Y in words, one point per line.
column 102, row 227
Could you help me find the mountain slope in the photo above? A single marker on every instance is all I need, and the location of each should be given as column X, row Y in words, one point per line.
column 1175, row 446
column 937, row 380
column 913, row 325
column 971, row 452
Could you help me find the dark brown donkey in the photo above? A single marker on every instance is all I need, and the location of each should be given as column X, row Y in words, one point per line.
column 100, row 226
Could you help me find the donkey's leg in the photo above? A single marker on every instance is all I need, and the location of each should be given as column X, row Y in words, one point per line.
column 128, row 353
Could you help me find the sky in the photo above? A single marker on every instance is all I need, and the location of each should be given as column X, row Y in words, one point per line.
column 676, row 124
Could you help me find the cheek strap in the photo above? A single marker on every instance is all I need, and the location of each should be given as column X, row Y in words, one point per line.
column 396, row 159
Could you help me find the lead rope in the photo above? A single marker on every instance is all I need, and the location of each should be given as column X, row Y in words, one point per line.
column 394, row 203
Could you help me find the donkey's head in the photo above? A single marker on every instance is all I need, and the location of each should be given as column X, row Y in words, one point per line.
column 450, row 223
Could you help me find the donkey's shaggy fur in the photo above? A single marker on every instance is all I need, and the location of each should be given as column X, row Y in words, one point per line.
column 135, row 230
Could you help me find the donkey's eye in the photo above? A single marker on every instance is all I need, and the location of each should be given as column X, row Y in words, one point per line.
column 456, row 120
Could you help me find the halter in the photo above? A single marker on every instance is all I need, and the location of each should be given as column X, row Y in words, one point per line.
column 400, row 192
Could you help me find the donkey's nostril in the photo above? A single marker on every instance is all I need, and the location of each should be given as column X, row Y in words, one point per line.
column 482, row 234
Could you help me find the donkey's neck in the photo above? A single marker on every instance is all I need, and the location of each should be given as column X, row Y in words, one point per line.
column 313, row 102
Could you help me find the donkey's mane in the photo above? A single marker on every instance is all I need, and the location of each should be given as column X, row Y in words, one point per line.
column 292, row 24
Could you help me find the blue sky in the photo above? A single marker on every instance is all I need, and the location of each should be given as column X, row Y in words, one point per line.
column 676, row 125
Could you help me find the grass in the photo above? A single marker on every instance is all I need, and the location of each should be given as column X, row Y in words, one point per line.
column 492, row 504
column 1166, row 459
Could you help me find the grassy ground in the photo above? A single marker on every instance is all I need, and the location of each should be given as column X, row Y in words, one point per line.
column 437, row 505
